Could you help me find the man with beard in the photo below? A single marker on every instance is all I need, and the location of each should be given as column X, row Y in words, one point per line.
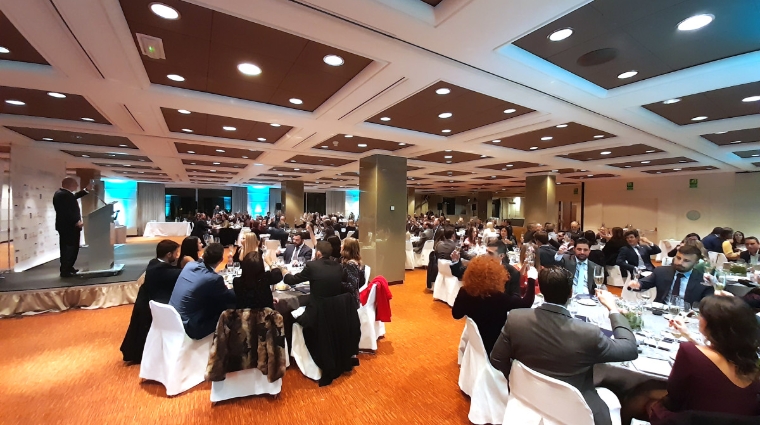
column 578, row 264
column 677, row 279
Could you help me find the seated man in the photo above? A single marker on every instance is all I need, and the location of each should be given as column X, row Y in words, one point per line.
column 578, row 264
column 635, row 256
column 425, row 235
column 444, row 248
column 277, row 234
column 160, row 277
column 752, row 255
column 545, row 252
column 323, row 274
column 679, row 278
column 511, row 286
column 550, row 341
column 297, row 250
column 200, row 295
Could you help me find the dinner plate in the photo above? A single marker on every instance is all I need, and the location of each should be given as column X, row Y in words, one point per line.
column 587, row 302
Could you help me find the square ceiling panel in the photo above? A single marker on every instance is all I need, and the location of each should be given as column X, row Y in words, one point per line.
column 514, row 165
column 318, row 160
column 551, row 137
column 729, row 102
column 59, row 136
column 295, row 170
column 607, row 153
column 45, row 104
column 206, row 47
column 453, row 157
column 13, row 45
column 735, row 137
column 679, row 170
column 606, row 38
column 135, row 166
column 653, row 162
column 444, row 106
column 223, row 151
column 110, row 156
column 218, row 164
column 187, row 122
column 748, row 154
column 357, row 144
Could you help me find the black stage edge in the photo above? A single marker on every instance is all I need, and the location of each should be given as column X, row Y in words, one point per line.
column 135, row 258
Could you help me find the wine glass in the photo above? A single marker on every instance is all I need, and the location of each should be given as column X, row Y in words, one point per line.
column 236, row 267
column 599, row 278
column 646, row 350
column 675, row 303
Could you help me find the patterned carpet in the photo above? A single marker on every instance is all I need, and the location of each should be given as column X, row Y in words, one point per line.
column 66, row 368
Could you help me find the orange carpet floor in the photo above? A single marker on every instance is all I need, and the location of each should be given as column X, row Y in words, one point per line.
column 66, row 368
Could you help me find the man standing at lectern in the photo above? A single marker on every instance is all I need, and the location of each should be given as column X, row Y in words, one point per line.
column 68, row 223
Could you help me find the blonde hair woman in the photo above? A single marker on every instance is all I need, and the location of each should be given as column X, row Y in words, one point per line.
column 250, row 243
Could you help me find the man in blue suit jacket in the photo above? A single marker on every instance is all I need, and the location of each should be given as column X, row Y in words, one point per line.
column 714, row 242
column 200, row 295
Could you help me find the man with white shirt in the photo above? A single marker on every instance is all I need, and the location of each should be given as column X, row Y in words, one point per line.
column 297, row 250
column 752, row 255
column 637, row 255
column 578, row 264
column 677, row 279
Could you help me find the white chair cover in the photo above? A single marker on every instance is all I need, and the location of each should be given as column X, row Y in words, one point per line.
column 350, row 233
column 272, row 245
column 635, row 296
column 666, row 261
column 462, row 343
column 720, row 260
column 264, row 236
column 170, row 356
column 367, row 315
column 424, row 255
column 302, row 356
column 538, row 399
column 615, row 278
column 367, row 272
column 446, row 286
column 713, row 256
column 245, row 383
column 410, row 260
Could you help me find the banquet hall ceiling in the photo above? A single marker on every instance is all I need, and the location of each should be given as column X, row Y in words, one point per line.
column 476, row 94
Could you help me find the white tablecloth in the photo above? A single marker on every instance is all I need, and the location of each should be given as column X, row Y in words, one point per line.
column 155, row 229
column 665, row 246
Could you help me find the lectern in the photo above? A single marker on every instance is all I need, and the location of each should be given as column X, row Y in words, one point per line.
column 97, row 234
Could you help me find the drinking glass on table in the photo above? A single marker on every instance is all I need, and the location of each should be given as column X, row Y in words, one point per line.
column 675, row 303
column 236, row 268
column 599, row 278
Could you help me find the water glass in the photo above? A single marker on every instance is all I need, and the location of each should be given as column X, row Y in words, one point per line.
column 675, row 304
column 236, row 268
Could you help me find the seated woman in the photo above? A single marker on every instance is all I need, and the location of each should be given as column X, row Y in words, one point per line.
column 470, row 242
column 253, row 287
column 613, row 246
column 190, row 250
column 737, row 242
column 248, row 242
column 505, row 241
column 353, row 269
column 690, row 236
column 482, row 298
column 721, row 377
column 728, row 244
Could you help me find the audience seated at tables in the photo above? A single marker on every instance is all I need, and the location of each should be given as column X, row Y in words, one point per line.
column 545, row 252
column 201, row 228
column 727, row 235
column 334, row 242
column 353, row 269
column 721, row 377
column 200, row 294
column 297, row 250
column 575, row 231
column 530, row 229
column 277, row 233
column 613, row 245
column 511, row 285
column 253, row 287
column 737, row 241
column 751, row 256
column 425, row 235
column 489, row 233
column 580, row 267
column 249, row 242
column 550, row 341
column 190, row 250
column 680, row 278
column 714, row 242
column 482, row 298
column 636, row 256
column 446, row 245
column 690, row 236
column 506, row 241
column 160, row 278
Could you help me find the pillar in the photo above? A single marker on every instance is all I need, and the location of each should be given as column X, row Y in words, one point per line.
column 91, row 202
column 292, row 200
column 484, row 205
column 540, row 203
column 383, row 205
column 410, row 203
column 275, row 197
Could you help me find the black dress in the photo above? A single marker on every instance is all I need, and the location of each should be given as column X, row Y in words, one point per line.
column 254, row 291
column 160, row 278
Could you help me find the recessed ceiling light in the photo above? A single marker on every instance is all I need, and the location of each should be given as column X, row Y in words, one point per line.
column 220, row 150
column 164, row 11
column 671, row 101
column 187, row 130
column 560, row 35
column 735, row 142
column 599, row 136
column 751, row 99
column 175, row 77
column 605, row 153
column 448, row 157
column 509, row 111
column 590, row 175
column 443, row 90
column 190, row 151
column 402, row 144
column 362, row 145
column 510, row 165
column 274, row 125
column 127, row 165
column 562, row 126
column 15, row 102
column 448, row 162
column 85, row 156
column 215, row 163
column 183, row 111
column 448, row 150
column 533, row 148
column 385, row 119
column 56, row 95
column 293, row 160
column 88, row 119
column 695, row 22
column 755, row 155
column 445, row 115
column 645, row 162
column 627, row 74
column 627, row 166
column 214, row 171
column 249, row 69
column 496, row 141
column 484, row 156
column 546, row 138
column 446, row 131
column 47, row 138
column 324, row 147
column 4, row 50
column 333, row 60
column 228, row 128
column 295, row 101
column 122, row 146
column 296, row 169
column 699, row 118
column 650, row 151
column 676, row 169
column 192, row 163
column 721, row 132
column 261, row 139
column 258, row 164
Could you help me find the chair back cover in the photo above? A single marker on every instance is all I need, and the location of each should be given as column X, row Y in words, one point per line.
column 473, row 359
column 367, row 316
column 615, row 278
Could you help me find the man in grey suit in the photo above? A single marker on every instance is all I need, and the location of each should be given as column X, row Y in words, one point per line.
column 550, row 341
column 578, row 264
column 447, row 245
column 680, row 278
column 426, row 235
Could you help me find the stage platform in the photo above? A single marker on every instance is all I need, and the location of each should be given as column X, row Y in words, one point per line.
column 41, row 288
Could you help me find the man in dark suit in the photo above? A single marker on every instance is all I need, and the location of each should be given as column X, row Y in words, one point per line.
column 511, row 286
column 635, row 255
column 160, row 277
column 68, row 223
column 323, row 274
column 680, row 278
column 575, row 230
column 200, row 295
column 752, row 255
column 714, row 242
column 550, row 341
column 276, row 233
column 448, row 244
column 545, row 252
column 296, row 250
column 426, row 235
column 201, row 228
column 578, row 264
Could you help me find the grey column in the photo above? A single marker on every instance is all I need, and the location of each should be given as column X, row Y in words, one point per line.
column 383, row 205
column 292, row 200
column 484, row 205
column 275, row 197
column 540, row 203
column 240, row 199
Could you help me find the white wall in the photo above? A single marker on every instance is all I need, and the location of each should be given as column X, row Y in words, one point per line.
column 724, row 199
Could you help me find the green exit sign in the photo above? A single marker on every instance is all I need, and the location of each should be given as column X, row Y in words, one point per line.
column 693, row 183
column 629, row 186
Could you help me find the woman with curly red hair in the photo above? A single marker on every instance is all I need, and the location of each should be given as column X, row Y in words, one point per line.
column 482, row 298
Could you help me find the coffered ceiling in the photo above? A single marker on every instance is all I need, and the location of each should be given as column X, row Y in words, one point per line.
column 262, row 88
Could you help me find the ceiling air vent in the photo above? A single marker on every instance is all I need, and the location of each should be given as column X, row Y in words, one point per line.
column 151, row 47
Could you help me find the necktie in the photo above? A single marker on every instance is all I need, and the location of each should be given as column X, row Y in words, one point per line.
column 295, row 253
column 677, row 284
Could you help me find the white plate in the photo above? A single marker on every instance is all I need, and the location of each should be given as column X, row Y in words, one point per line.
column 587, row 302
